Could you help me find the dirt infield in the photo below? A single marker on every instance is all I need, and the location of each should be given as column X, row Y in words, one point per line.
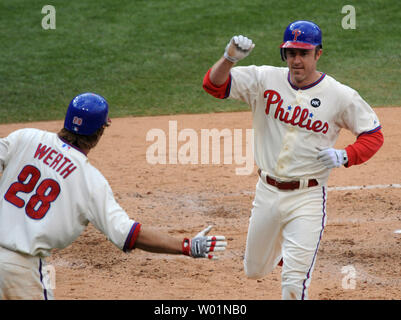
column 182, row 199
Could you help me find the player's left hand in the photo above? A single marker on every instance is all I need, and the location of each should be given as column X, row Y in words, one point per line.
column 238, row 48
column 332, row 158
column 201, row 245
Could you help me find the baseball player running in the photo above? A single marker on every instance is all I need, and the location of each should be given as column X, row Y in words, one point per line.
column 50, row 192
column 298, row 113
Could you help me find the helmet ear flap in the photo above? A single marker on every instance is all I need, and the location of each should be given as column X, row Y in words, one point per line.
column 283, row 54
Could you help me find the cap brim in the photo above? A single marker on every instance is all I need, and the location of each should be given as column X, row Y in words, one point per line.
column 297, row 45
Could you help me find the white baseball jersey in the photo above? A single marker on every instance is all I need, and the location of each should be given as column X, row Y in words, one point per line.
column 290, row 123
column 50, row 192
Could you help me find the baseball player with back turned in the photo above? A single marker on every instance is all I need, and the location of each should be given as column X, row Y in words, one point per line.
column 298, row 113
column 50, row 192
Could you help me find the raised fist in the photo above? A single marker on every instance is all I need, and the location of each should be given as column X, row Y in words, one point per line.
column 238, row 48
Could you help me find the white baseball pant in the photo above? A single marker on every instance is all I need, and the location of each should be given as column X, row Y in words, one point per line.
column 285, row 225
column 22, row 277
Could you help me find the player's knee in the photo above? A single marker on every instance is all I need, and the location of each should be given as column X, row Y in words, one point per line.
column 253, row 271
column 254, row 275
column 258, row 269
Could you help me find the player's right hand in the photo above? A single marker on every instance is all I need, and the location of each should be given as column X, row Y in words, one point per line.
column 238, row 48
column 202, row 246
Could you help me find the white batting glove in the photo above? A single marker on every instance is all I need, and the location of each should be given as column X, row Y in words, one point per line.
column 238, row 48
column 332, row 158
column 201, row 245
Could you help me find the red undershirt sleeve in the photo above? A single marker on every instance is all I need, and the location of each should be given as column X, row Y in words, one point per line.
column 220, row 92
column 365, row 146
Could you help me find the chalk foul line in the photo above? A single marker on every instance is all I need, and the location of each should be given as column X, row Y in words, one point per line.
column 377, row 186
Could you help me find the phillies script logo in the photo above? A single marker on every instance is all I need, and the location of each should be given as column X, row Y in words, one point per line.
column 300, row 117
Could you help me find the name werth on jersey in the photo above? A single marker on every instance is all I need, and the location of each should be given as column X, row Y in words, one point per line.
column 55, row 160
column 300, row 117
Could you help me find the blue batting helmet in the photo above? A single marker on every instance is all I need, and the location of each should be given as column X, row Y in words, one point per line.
column 86, row 113
column 301, row 34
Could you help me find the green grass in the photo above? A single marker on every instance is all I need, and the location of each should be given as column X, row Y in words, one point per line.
column 149, row 57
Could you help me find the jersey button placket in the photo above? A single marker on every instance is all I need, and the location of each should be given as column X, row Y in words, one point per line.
column 298, row 96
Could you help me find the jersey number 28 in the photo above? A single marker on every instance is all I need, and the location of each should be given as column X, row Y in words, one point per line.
column 39, row 203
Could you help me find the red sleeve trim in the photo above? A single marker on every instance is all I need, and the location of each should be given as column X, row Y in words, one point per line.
column 132, row 236
column 220, row 92
column 186, row 246
column 365, row 146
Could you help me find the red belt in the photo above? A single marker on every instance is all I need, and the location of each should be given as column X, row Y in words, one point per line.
column 287, row 185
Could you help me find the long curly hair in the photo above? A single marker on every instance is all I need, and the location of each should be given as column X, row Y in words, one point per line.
column 80, row 141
